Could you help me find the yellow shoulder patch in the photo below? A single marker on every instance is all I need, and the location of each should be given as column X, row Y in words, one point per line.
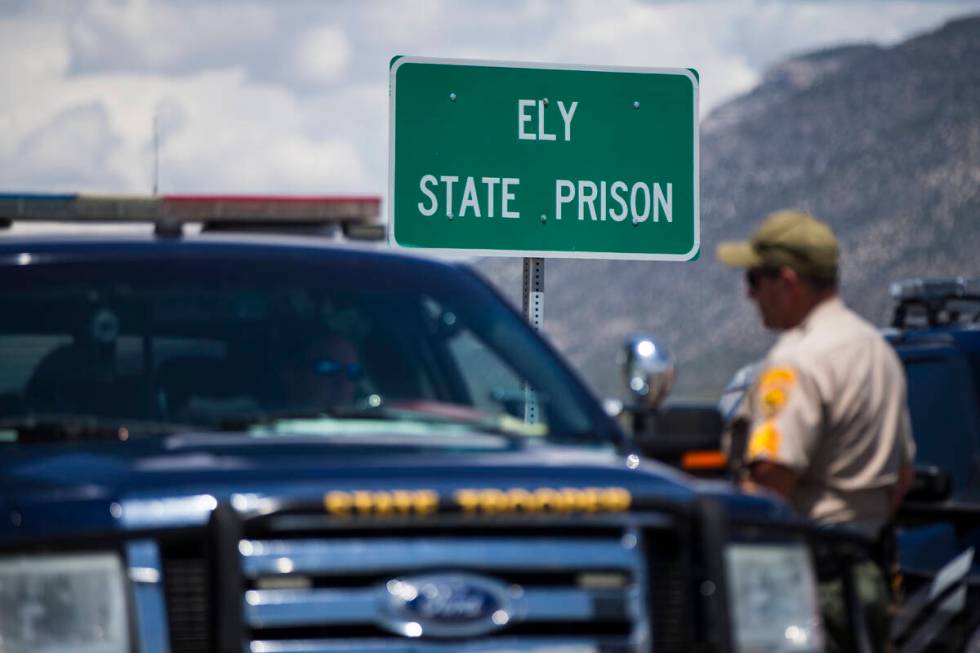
column 774, row 389
column 764, row 442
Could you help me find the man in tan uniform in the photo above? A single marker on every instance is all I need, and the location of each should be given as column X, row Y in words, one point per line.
column 829, row 428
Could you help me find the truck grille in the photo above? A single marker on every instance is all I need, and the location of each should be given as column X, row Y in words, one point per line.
column 185, row 575
column 574, row 593
column 480, row 590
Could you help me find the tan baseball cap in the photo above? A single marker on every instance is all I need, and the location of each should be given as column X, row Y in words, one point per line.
column 787, row 238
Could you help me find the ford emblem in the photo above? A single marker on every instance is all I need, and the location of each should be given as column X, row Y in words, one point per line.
column 446, row 605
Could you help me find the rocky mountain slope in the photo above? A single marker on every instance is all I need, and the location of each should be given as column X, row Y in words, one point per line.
column 882, row 143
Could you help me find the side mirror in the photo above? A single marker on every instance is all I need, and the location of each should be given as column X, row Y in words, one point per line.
column 684, row 435
column 648, row 370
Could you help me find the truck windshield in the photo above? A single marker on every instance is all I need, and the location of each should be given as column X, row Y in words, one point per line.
column 225, row 344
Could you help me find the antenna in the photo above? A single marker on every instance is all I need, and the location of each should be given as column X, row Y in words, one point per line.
column 156, row 152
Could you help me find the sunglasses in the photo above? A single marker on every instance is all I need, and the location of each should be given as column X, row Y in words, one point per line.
column 327, row 367
column 753, row 276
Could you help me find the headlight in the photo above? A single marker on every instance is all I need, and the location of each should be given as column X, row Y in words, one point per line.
column 57, row 603
column 774, row 598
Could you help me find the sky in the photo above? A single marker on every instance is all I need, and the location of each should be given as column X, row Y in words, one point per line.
column 291, row 96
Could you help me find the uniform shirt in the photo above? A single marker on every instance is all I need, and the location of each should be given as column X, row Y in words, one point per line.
column 830, row 404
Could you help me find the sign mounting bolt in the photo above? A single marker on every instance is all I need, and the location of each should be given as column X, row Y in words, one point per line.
column 544, row 218
column 452, row 97
column 545, row 101
column 636, row 104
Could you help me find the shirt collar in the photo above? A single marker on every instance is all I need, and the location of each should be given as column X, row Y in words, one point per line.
column 821, row 311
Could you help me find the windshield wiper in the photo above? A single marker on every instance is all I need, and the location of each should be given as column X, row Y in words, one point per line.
column 55, row 427
column 434, row 413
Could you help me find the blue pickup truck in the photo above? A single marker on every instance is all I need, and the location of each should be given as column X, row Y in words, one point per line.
column 221, row 442
column 935, row 329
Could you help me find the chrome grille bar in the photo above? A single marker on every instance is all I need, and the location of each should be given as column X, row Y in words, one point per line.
column 364, row 556
column 282, row 608
column 508, row 645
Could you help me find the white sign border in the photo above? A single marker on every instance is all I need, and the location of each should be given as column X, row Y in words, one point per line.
column 695, row 84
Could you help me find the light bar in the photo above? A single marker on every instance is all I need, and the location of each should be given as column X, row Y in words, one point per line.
column 927, row 289
column 352, row 210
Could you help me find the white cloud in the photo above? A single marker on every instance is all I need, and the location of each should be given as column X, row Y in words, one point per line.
column 73, row 146
column 393, row 25
column 258, row 140
column 29, row 51
column 154, row 36
column 255, row 96
column 322, row 55
column 218, row 133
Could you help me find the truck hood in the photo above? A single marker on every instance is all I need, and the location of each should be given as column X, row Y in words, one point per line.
column 51, row 490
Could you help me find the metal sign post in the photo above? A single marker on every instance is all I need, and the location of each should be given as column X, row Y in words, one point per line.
column 534, row 312
column 534, row 292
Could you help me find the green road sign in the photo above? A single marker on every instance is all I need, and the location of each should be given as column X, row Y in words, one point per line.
column 544, row 160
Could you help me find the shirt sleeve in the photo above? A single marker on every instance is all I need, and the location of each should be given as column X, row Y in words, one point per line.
column 786, row 417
